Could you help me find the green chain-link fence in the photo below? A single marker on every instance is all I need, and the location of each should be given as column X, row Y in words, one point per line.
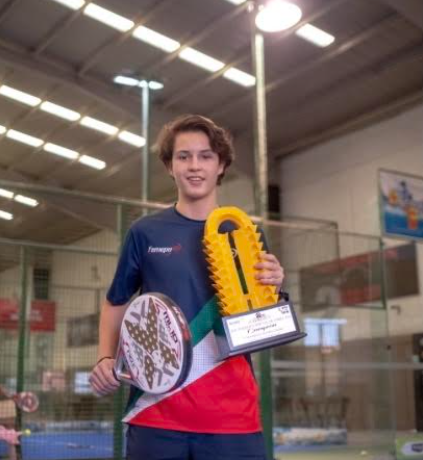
column 54, row 272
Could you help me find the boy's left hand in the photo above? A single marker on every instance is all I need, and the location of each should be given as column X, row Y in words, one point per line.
column 270, row 271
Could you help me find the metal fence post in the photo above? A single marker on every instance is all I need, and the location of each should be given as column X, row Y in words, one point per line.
column 119, row 396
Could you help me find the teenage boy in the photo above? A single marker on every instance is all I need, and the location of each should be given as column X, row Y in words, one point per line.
column 216, row 415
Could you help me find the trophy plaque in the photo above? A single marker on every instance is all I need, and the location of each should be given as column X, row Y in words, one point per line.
column 253, row 318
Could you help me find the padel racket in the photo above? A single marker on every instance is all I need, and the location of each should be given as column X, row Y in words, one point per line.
column 26, row 401
column 155, row 348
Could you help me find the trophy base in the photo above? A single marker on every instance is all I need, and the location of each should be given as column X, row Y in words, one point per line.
column 258, row 329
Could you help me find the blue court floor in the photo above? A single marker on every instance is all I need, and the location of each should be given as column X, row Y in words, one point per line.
column 65, row 446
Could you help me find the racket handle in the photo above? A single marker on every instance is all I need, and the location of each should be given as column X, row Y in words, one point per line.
column 115, row 374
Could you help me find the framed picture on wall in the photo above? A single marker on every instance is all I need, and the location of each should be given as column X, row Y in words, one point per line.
column 401, row 204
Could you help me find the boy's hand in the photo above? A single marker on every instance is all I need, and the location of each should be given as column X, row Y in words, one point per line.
column 102, row 378
column 270, row 271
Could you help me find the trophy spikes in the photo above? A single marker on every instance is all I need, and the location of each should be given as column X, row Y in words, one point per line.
column 233, row 296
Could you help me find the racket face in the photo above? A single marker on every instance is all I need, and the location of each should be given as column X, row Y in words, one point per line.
column 156, row 343
column 27, row 401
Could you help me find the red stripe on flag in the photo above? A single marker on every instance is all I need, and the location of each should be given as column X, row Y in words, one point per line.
column 225, row 400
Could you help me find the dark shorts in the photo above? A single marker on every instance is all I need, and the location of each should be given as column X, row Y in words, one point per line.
column 145, row 443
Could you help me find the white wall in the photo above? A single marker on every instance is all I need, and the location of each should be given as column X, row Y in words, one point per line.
column 338, row 181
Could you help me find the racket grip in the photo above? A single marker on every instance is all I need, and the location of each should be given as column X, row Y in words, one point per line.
column 115, row 375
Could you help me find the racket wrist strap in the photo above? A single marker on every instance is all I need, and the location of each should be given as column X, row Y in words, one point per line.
column 103, row 358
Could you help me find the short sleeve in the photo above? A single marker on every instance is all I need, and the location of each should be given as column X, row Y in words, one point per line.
column 128, row 279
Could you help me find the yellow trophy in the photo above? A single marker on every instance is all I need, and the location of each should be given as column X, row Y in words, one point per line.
column 253, row 318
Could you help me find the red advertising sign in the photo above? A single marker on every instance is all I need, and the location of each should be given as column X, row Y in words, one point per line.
column 42, row 315
column 357, row 279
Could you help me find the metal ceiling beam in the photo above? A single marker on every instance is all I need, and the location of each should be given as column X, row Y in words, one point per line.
column 195, row 38
column 55, row 70
column 56, row 30
column 242, row 55
column 326, row 56
column 353, row 124
column 121, row 37
column 412, row 10
column 7, row 9
column 85, row 211
column 371, row 71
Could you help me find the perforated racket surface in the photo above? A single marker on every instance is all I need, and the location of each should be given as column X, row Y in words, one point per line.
column 155, row 350
column 27, row 401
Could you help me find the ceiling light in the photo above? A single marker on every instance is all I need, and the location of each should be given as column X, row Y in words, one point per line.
column 240, row 77
column 132, row 81
column 24, row 138
column 278, row 15
column 2, row 130
column 20, row 96
column 6, row 193
column 108, row 17
column 60, row 111
column 126, row 81
column 201, row 60
column 61, row 151
column 26, row 200
column 237, row 2
column 92, row 162
column 72, row 4
column 156, row 39
column 99, row 125
column 6, row 215
column 155, row 85
column 315, row 35
column 131, row 138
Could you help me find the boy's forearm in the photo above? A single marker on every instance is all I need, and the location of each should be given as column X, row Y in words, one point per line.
column 109, row 330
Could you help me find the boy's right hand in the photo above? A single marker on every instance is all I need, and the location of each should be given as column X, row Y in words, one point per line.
column 102, row 378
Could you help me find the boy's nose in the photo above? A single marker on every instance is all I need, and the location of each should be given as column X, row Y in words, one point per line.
column 194, row 163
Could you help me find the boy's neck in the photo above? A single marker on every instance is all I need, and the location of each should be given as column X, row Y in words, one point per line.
column 197, row 210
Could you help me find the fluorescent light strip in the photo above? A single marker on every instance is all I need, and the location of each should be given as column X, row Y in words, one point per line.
column 24, row 138
column 240, row 77
column 156, row 39
column 72, row 4
column 5, row 215
column 116, row 21
column 26, row 200
column 19, row 198
column 131, row 138
column 20, row 96
column 6, row 193
column 201, row 60
column 98, row 125
column 71, row 115
column 92, row 162
column 161, row 41
column 56, row 149
column 60, row 111
column 61, row 151
column 315, row 35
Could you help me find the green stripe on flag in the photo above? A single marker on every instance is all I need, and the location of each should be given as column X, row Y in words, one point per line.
column 208, row 319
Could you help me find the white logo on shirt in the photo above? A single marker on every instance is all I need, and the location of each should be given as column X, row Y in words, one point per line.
column 164, row 250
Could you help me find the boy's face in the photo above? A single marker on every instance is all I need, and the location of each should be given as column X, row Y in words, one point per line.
column 195, row 167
